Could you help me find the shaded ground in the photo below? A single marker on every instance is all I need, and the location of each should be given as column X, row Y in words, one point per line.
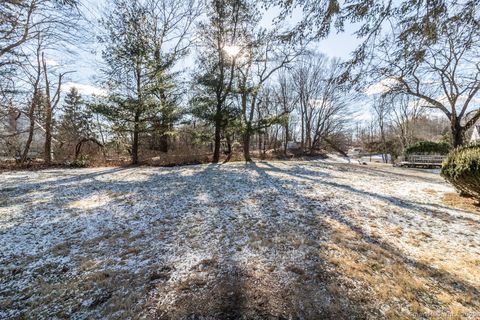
column 258, row 241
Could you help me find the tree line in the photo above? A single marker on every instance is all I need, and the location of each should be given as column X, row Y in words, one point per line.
column 251, row 88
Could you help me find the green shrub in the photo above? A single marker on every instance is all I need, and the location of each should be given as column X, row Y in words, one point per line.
column 462, row 169
column 81, row 162
column 428, row 147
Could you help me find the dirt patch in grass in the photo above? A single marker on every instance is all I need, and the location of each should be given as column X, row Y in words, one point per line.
column 461, row 202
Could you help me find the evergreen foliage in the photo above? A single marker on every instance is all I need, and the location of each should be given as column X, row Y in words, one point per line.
column 143, row 41
column 227, row 27
column 462, row 169
column 428, row 147
column 76, row 120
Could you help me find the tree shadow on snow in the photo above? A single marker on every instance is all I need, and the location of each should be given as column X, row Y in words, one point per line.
column 219, row 242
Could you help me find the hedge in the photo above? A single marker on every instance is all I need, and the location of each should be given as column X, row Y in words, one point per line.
column 462, row 169
column 428, row 147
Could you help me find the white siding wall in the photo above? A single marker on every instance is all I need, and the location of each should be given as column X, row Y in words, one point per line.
column 14, row 135
column 476, row 134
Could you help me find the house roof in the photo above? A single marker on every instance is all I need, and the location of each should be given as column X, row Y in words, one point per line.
column 475, row 134
column 22, row 124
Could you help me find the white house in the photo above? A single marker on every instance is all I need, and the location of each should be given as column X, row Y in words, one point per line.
column 14, row 132
column 475, row 135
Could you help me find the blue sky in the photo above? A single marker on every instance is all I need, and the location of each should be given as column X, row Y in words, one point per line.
column 88, row 62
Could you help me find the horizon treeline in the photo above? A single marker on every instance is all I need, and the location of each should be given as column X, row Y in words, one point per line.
column 253, row 90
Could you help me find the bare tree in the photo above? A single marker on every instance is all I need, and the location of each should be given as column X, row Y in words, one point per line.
column 263, row 58
column 28, row 28
column 34, row 101
column 20, row 22
column 322, row 99
column 307, row 76
column 405, row 115
column 23, row 21
column 284, row 96
column 382, row 111
column 444, row 76
column 51, row 102
column 331, row 107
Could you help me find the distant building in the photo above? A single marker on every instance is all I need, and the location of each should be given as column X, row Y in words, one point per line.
column 14, row 131
column 475, row 135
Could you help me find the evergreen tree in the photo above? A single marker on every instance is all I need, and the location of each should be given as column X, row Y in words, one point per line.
column 139, row 62
column 222, row 39
column 39, row 113
column 75, row 121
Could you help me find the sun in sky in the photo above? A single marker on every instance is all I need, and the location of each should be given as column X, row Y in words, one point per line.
column 232, row 50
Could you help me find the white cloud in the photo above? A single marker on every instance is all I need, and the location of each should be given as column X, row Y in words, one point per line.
column 380, row 87
column 51, row 63
column 84, row 89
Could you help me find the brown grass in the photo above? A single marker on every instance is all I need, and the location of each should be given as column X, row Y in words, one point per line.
column 431, row 191
column 387, row 279
column 295, row 269
column 465, row 203
column 342, row 272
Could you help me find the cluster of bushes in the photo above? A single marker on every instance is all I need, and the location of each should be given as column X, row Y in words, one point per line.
column 81, row 162
column 462, row 169
column 428, row 147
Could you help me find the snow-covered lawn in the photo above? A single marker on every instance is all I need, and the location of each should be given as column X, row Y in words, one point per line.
column 306, row 240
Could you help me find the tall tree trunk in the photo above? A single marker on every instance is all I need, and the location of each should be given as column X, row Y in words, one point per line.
column 458, row 133
column 138, row 112
column 308, row 134
column 50, row 104
column 273, row 142
column 31, row 129
column 302, row 142
column 48, row 116
column 136, row 130
column 229, row 148
column 285, row 147
column 384, row 147
column 265, row 140
column 229, row 145
column 259, row 143
column 217, row 142
column 246, row 146
column 31, row 110
column 48, row 133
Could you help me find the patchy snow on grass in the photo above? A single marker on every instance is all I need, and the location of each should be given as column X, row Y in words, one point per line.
column 304, row 240
column 90, row 202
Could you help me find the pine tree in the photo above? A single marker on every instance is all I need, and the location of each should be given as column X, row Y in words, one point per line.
column 139, row 62
column 75, row 121
column 222, row 38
